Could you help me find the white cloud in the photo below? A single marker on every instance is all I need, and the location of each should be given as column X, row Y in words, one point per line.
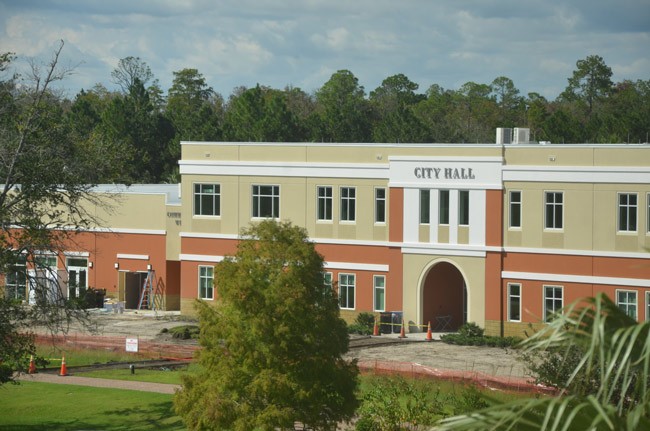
column 302, row 42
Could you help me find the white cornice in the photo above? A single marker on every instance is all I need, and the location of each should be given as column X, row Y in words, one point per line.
column 285, row 169
column 578, row 174
column 569, row 278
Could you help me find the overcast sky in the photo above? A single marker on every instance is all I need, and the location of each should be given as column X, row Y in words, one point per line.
column 536, row 43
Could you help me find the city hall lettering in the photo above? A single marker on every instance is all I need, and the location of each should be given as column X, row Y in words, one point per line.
column 444, row 173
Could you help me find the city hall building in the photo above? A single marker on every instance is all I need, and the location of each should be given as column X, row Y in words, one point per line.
column 502, row 234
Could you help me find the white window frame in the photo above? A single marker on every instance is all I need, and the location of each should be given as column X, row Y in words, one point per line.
column 324, row 202
column 510, row 297
column 380, row 201
column 554, row 205
column 348, row 288
column 624, row 224
column 274, row 197
column 462, row 222
column 425, row 206
column 546, row 313
column 206, row 277
column 216, row 200
column 348, row 204
column 647, row 215
column 624, row 305
column 79, row 269
column 512, row 205
column 376, row 289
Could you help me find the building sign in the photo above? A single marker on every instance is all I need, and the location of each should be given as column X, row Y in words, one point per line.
column 446, row 173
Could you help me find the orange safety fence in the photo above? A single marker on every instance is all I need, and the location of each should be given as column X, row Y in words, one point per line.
column 146, row 347
column 156, row 349
column 410, row 369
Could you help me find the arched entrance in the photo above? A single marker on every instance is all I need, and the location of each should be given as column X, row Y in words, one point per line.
column 444, row 297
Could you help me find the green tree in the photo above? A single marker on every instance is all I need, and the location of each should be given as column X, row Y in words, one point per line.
column 43, row 196
column 194, row 110
column 272, row 344
column 132, row 122
column 260, row 114
column 342, row 112
column 509, row 103
column 590, row 82
column 393, row 103
column 606, row 388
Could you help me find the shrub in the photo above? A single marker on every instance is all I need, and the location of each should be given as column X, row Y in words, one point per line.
column 470, row 334
column 471, row 329
column 363, row 324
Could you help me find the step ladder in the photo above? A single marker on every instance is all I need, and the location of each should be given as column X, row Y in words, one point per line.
column 147, row 300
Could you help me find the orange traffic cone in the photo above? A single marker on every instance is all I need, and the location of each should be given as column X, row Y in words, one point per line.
column 64, row 369
column 429, row 337
column 402, row 332
column 32, row 365
column 375, row 330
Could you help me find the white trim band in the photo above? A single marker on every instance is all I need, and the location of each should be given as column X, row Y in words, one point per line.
column 285, row 169
column 568, row 278
column 353, row 266
column 133, row 256
column 590, row 253
column 201, row 258
column 578, row 174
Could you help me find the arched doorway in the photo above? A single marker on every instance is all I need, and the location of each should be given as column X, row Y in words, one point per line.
column 444, row 297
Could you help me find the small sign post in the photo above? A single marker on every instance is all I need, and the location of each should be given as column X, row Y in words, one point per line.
column 132, row 344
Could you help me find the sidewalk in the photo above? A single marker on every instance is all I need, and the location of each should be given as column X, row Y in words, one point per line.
column 161, row 388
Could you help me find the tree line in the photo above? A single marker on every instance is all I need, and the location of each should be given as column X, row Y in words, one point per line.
column 138, row 128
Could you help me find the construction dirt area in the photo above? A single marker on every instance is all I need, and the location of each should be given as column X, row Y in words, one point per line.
column 495, row 367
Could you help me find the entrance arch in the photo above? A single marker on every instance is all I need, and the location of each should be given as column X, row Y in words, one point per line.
column 444, row 297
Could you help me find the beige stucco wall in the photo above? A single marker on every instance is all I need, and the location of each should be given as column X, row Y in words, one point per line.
column 297, row 203
column 590, row 217
column 415, row 271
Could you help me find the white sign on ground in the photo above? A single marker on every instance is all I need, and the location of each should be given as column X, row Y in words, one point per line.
column 132, row 344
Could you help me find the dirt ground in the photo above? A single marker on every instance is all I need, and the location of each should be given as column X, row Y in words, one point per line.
column 387, row 350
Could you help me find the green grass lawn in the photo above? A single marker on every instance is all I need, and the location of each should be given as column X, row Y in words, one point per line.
column 141, row 375
column 32, row 406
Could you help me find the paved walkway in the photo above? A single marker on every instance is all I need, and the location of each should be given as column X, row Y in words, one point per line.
column 162, row 388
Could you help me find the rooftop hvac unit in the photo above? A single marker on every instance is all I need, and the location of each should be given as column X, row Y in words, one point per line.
column 504, row 135
column 521, row 136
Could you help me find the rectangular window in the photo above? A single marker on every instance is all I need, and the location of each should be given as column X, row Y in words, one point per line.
column 324, row 203
column 266, row 201
column 443, row 210
column 379, row 282
column 207, row 199
column 16, row 280
column 327, row 279
column 626, row 301
column 553, row 210
column 380, row 205
column 346, row 290
column 553, row 301
column 348, row 203
column 514, row 302
column 627, row 212
column 425, row 199
column 206, row 282
column 463, row 208
column 515, row 209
